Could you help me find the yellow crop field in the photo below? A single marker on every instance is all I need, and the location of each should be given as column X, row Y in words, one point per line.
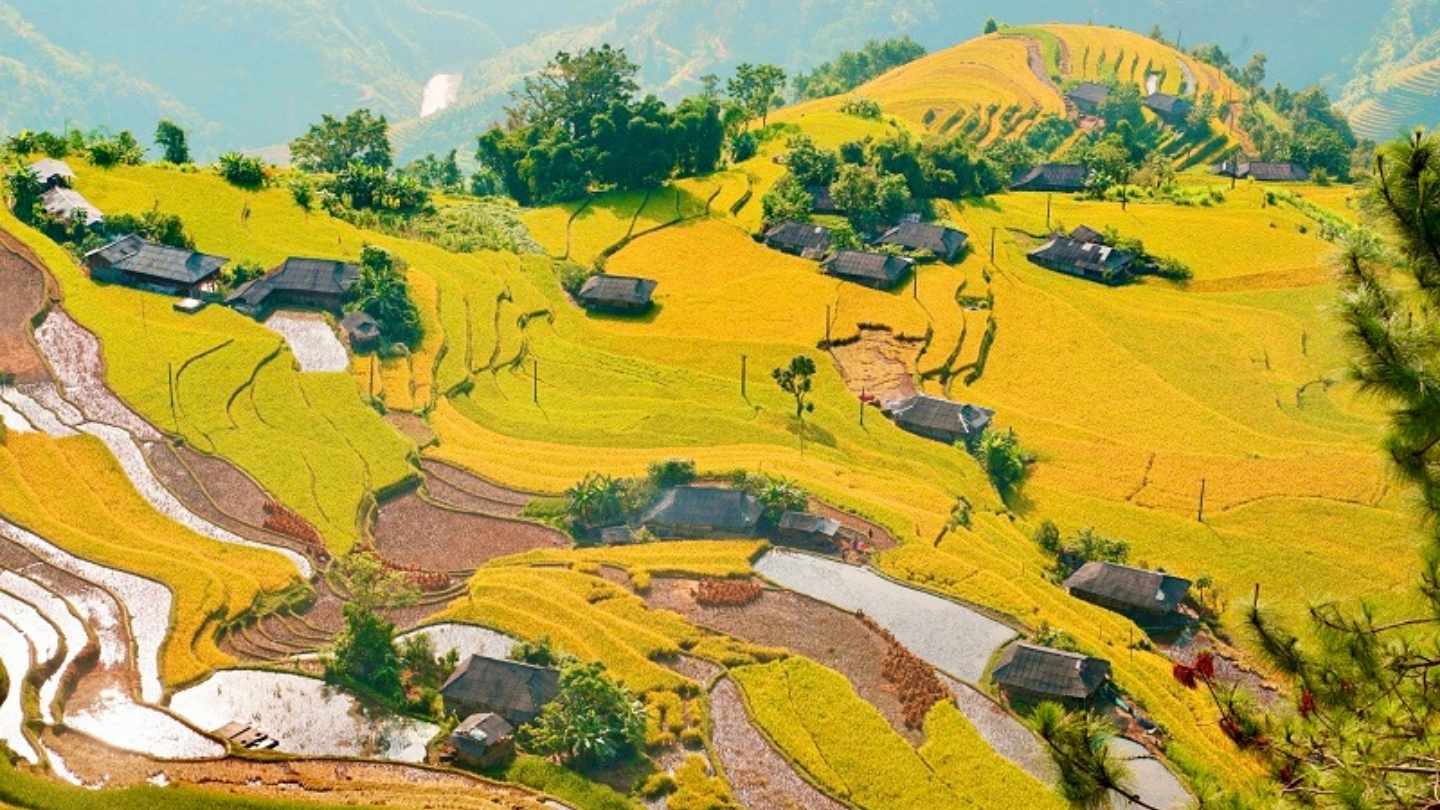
column 699, row 558
column 73, row 493
column 815, row 717
column 1091, row 52
column 408, row 383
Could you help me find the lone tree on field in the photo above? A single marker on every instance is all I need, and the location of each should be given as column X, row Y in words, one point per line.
column 755, row 88
column 171, row 138
column 795, row 380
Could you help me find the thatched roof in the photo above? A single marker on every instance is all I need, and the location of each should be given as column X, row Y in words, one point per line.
column 879, row 269
column 1050, row 177
column 616, row 291
column 1137, row 588
column 1090, row 93
column 300, row 276
column 798, row 236
column 508, row 688
column 937, row 239
column 1168, row 105
column 171, row 265
column 1044, row 671
column 711, row 508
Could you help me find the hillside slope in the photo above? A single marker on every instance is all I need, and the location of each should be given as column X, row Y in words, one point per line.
column 1397, row 81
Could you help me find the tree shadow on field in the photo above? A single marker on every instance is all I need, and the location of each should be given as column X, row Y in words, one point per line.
column 988, row 203
column 810, row 433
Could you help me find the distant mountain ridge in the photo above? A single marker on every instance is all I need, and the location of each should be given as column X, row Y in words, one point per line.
column 1397, row 81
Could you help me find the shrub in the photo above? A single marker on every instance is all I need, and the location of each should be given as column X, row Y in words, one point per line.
column 245, row 171
column 776, row 495
column 1003, row 459
column 672, row 472
column 596, row 500
column 121, row 149
column 657, row 785
column 302, row 192
column 696, row 789
column 241, row 272
column 593, row 720
column 167, row 229
column 861, row 107
column 572, row 276
column 541, row 653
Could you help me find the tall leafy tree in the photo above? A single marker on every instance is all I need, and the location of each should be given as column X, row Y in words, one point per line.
column 573, row 88
column 755, row 88
column 699, row 135
column 796, row 380
column 593, row 720
column 383, row 293
column 334, row 143
column 171, row 139
column 634, row 144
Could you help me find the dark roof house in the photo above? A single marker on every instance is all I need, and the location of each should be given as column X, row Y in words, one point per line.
column 1062, row 177
column 940, row 419
column 64, row 203
column 871, row 269
column 482, row 739
column 800, row 238
column 616, row 293
column 1085, row 233
column 362, row 330
column 1263, row 171
column 51, row 173
column 1172, row 109
column 1091, row 260
column 298, row 282
column 513, row 690
column 1088, row 96
column 807, row 530
column 137, row 262
column 696, row 511
column 823, row 201
column 938, row 239
column 1132, row 591
column 1031, row 672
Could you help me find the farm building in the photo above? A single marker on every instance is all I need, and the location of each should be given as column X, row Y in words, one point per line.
column 823, row 201
column 513, row 690
column 483, row 739
column 1091, row 260
column 938, row 239
column 138, row 263
column 879, row 270
column 361, row 330
column 807, row 530
column 1145, row 596
column 940, row 419
column 52, row 173
column 1171, row 109
column 800, row 238
column 1263, row 171
column 1088, row 96
column 1064, row 177
column 1087, row 234
column 616, row 293
column 693, row 511
column 66, row 203
column 309, row 283
column 1030, row 673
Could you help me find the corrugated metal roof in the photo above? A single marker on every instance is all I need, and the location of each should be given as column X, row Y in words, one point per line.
column 799, row 234
column 63, row 202
column 809, row 522
column 937, row 239
column 329, row 277
column 143, row 258
column 47, row 168
column 1086, row 258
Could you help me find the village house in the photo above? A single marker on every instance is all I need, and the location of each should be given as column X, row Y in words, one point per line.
column 1029, row 673
column 361, row 330
column 1088, row 96
column 66, row 204
column 52, row 173
column 807, row 530
column 1088, row 259
column 514, row 691
column 1087, row 234
column 802, row 239
column 1148, row 597
column 136, row 262
column 944, row 242
column 696, row 511
column 298, row 282
column 482, row 740
column 1263, row 171
column 940, row 419
column 607, row 293
column 879, row 270
column 1063, row 177
column 1171, row 109
column 823, row 201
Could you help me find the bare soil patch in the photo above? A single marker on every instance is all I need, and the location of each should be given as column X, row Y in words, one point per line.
column 23, row 290
column 412, row 426
column 460, row 488
column 759, row 776
column 411, row 531
column 879, row 365
column 813, row 629
column 232, row 489
column 1229, row 666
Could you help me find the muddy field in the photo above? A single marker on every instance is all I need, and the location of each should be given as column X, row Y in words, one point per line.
column 879, row 364
column 462, row 489
column 22, row 294
column 410, row 531
column 759, row 777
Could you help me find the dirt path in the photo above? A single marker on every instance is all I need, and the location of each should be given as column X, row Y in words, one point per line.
column 1036, row 60
column 759, row 777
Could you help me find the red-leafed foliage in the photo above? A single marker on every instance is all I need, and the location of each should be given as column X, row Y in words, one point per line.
column 1185, row 675
column 427, row 581
column 280, row 520
column 1307, row 703
column 727, row 592
column 915, row 681
column 1205, row 665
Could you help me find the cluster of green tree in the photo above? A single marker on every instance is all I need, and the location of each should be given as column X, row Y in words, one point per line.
column 440, row 173
column 1085, row 545
column 354, row 153
column 1003, row 458
column 98, row 146
column 875, row 181
column 383, row 293
column 245, row 171
column 853, row 68
column 578, row 124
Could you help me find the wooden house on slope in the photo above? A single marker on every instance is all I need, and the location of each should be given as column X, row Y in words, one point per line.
column 510, row 689
column 696, row 511
column 65, row 204
column 361, row 330
column 1171, row 109
column 136, row 262
column 807, row 530
column 945, row 242
column 822, row 201
column 1031, row 673
column 1088, row 96
column 607, row 293
column 1262, row 171
column 1095, row 261
column 1148, row 597
column 298, row 282
column 1062, row 177
column 802, row 239
column 940, row 419
column 51, row 173
column 879, row 270
column 483, row 739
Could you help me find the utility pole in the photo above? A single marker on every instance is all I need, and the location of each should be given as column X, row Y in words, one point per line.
column 992, row 244
column 827, row 325
column 372, row 376
column 743, row 375
column 535, row 381
column 1047, row 212
column 1200, row 513
column 862, row 409
column 170, row 375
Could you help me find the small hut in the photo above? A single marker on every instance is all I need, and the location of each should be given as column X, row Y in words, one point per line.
column 1031, row 673
column 944, row 242
column 823, row 202
column 879, row 270
column 807, row 530
column 1148, row 597
column 609, row 293
column 66, row 203
column 696, row 511
column 1089, row 260
column 482, row 740
column 802, row 239
column 940, row 419
column 1088, row 96
column 361, row 330
column 52, row 173
column 1063, row 177
column 1172, row 109
column 513, row 690
column 136, row 262
column 298, row 282
column 1262, row 171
